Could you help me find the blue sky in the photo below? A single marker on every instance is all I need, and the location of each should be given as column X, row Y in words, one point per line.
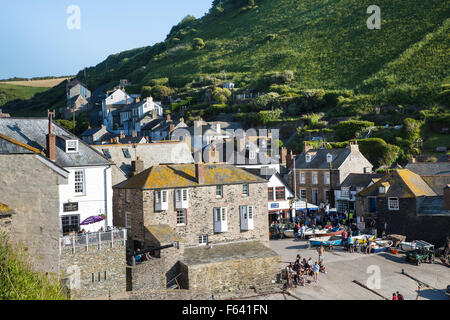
column 37, row 42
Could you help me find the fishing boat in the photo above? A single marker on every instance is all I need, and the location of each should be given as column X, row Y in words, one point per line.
column 317, row 233
column 380, row 245
column 335, row 240
column 288, row 233
column 408, row 246
column 363, row 238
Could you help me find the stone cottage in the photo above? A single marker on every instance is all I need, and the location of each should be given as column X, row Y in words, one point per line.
column 202, row 208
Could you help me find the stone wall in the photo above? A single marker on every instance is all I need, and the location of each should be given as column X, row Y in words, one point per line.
column 149, row 275
column 232, row 274
column 86, row 268
column 200, row 218
column 30, row 189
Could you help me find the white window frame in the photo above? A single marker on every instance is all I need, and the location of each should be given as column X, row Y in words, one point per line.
column 316, row 179
column 220, row 219
column 391, row 207
column 76, row 145
column 301, row 197
column 80, row 183
column 183, row 217
column 160, row 196
column 127, row 196
column 203, row 240
column 128, row 221
column 247, row 214
column 302, row 178
column 248, row 190
column 219, row 187
column 181, row 198
column 326, row 178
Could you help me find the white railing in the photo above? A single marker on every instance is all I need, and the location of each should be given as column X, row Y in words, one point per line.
column 95, row 239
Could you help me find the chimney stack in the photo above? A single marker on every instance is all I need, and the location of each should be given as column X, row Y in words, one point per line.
column 283, row 155
column 290, row 160
column 137, row 166
column 200, row 173
column 354, row 146
column 51, row 137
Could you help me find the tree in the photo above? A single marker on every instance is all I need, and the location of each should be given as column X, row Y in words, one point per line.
column 221, row 95
column 161, row 92
column 378, row 152
column 347, row 130
column 146, row 91
column 198, row 43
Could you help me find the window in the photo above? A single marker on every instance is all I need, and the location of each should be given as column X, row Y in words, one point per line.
column 127, row 220
column 203, row 239
column 326, row 178
column 280, row 193
column 71, row 146
column 181, row 217
column 345, row 192
column 247, row 217
column 382, row 190
column 220, row 220
column 252, row 155
column 106, row 153
column 303, row 194
column 393, row 204
column 70, row 223
column 219, row 191
column 161, row 202
column 308, row 158
column 245, row 189
column 127, row 196
column 315, row 179
column 271, row 194
column 302, row 178
column 126, row 153
column 181, row 198
column 185, row 195
column 79, row 182
column 326, row 195
column 342, row 206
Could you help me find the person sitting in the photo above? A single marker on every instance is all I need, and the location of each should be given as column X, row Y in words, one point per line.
column 322, row 267
column 148, row 256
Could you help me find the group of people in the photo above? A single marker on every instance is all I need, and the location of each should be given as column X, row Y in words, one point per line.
column 397, row 296
column 352, row 244
column 324, row 218
column 300, row 270
column 139, row 257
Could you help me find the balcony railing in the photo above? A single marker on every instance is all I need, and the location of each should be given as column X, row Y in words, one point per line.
column 97, row 239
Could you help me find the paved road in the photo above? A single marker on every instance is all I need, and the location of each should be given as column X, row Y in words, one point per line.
column 344, row 267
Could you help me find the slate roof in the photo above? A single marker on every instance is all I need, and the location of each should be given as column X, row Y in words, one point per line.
column 319, row 159
column 11, row 146
column 402, row 184
column 429, row 168
column 226, row 252
column 92, row 131
column 32, row 132
column 151, row 153
column 432, row 206
column 74, row 82
column 437, row 183
column 183, row 175
column 360, row 180
column 163, row 233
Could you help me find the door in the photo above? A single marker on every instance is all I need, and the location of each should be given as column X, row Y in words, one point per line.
column 372, row 205
column 314, row 197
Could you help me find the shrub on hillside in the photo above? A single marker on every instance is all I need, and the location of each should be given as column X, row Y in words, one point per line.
column 378, row 152
column 346, row 130
column 198, row 44
column 265, row 101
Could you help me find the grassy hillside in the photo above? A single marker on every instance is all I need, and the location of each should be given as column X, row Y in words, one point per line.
column 9, row 92
column 326, row 43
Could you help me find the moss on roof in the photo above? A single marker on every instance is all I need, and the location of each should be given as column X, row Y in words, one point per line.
column 164, row 233
column 403, row 184
column 183, row 175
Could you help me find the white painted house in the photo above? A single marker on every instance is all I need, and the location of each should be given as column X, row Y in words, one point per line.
column 279, row 195
column 110, row 105
column 89, row 188
column 136, row 115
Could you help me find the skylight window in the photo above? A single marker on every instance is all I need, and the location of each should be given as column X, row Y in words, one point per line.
column 126, row 153
column 106, row 153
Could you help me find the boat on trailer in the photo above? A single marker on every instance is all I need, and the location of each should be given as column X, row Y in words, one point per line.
column 380, row 245
column 335, row 240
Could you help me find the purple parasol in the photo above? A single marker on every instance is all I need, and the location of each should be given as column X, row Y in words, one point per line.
column 92, row 220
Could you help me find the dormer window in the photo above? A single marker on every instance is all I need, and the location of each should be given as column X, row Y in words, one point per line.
column 329, row 158
column 71, row 146
column 383, row 188
column 308, row 158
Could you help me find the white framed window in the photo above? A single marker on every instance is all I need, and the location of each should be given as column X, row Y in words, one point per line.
column 161, row 202
column 127, row 196
column 393, row 204
column 203, row 240
column 247, row 217
column 181, row 198
column 245, row 189
column 329, row 158
column 79, row 182
column 127, row 220
column 181, row 218
column 326, row 178
column 252, row 155
column 302, row 177
column 219, row 191
column 345, row 192
column 220, row 220
column 382, row 190
column 308, row 158
column 71, row 146
column 315, row 178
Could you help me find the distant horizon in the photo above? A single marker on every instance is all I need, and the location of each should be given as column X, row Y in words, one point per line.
column 39, row 42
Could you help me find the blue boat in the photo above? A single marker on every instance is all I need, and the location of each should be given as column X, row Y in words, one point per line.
column 323, row 241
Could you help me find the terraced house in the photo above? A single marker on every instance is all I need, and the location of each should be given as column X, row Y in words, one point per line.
column 215, row 214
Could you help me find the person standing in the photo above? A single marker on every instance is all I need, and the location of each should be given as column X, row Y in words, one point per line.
column 400, row 296
column 296, row 230
column 394, row 296
column 302, row 231
column 316, row 270
column 320, row 251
